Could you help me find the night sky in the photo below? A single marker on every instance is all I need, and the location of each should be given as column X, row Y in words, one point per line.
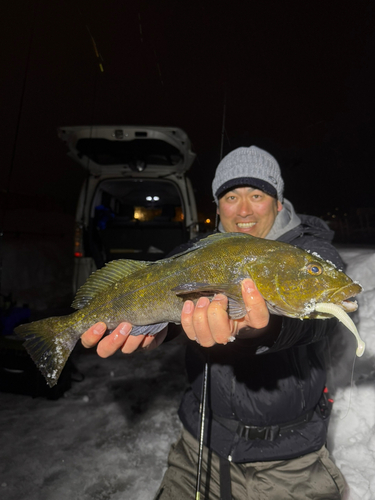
column 294, row 77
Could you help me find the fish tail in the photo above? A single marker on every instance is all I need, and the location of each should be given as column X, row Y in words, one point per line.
column 49, row 343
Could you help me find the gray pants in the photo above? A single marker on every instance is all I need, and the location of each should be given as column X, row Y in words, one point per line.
column 313, row 476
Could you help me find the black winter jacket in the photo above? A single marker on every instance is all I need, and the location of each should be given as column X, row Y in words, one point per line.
column 266, row 386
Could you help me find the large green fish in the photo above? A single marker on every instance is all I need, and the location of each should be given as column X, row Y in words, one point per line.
column 149, row 295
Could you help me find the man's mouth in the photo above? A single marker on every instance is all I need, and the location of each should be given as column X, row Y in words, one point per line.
column 245, row 225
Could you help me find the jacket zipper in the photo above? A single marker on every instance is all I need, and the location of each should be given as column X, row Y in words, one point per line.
column 299, row 376
column 233, row 387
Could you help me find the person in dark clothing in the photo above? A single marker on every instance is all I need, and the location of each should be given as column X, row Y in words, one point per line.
column 268, row 407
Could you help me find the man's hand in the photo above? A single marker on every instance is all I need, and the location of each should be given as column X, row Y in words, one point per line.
column 208, row 322
column 120, row 339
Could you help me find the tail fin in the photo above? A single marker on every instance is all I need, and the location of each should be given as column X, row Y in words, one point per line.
column 49, row 343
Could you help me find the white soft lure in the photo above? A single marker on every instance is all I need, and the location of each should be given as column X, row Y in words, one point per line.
column 341, row 315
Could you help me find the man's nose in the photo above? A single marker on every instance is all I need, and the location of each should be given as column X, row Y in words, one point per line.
column 245, row 208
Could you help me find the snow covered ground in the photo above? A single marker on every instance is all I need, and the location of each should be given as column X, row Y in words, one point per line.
column 352, row 428
column 108, row 438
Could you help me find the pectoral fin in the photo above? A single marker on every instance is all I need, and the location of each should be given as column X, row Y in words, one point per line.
column 236, row 309
column 192, row 291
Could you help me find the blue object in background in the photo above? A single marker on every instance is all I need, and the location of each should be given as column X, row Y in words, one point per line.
column 13, row 317
column 103, row 215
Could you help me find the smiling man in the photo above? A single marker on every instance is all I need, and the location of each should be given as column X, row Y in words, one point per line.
column 248, row 210
column 248, row 190
column 268, row 409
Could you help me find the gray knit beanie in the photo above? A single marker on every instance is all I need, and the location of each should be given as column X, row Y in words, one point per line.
column 248, row 167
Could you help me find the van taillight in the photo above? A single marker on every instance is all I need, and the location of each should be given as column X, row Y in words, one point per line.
column 78, row 241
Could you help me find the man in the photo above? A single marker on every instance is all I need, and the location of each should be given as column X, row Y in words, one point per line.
column 267, row 414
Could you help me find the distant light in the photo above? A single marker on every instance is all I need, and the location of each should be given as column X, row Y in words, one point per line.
column 137, row 166
column 149, row 198
column 207, row 221
column 78, row 254
column 156, row 198
column 152, row 198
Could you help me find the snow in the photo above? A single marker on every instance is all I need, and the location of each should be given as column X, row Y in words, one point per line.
column 108, row 438
column 352, row 427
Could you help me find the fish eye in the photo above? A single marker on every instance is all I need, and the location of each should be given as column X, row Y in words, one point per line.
column 314, row 269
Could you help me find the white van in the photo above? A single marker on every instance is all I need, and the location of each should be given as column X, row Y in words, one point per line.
column 136, row 202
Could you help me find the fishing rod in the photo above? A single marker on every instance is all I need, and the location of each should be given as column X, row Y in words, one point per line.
column 202, row 426
column 8, row 184
column 223, row 123
column 205, row 375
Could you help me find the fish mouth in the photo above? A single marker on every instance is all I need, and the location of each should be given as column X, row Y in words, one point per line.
column 348, row 306
column 342, row 297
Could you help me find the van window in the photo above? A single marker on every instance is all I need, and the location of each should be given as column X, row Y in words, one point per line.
column 136, row 219
column 149, row 152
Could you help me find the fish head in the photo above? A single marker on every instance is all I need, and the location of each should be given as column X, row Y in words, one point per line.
column 294, row 281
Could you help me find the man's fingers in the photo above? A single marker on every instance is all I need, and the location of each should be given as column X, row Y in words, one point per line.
column 145, row 342
column 120, row 338
column 92, row 336
column 201, row 325
column 153, row 341
column 134, row 342
column 219, row 322
column 148, row 342
column 209, row 323
column 257, row 313
column 195, row 322
column 114, row 341
column 187, row 319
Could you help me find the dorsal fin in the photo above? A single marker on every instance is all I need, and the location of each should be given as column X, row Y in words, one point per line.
column 108, row 275
column 211, row 239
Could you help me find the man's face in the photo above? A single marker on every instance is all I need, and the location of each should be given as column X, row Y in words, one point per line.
column 248, row 210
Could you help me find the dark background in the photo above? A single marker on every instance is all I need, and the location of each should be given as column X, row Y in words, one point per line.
column 294, row 77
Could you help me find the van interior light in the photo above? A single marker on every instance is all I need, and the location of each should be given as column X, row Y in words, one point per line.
column 137, row 165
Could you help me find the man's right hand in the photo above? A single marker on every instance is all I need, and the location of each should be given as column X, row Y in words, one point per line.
column 119, row 339
column 208, row 323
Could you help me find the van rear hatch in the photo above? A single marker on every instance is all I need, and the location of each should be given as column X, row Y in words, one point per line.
column 136, row 202
column 104, row 149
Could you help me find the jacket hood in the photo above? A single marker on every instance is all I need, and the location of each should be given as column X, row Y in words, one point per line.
column 286, row 221
column 289, row 225
column 316, row 227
